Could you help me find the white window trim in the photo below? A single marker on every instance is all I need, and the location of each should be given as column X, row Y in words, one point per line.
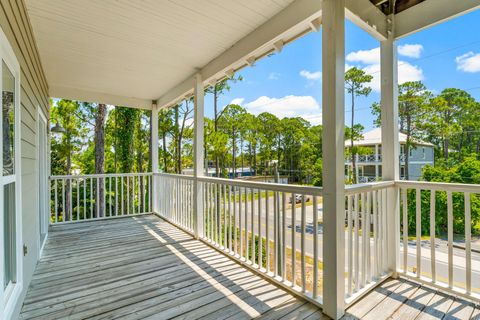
column 9, row 301
column 41, row 116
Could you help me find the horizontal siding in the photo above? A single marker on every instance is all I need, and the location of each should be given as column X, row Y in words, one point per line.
column 15, row 24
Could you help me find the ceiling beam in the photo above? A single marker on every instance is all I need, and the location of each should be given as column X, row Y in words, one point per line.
column 368, row 17
column 296, row 19
column 287, row 24
column 429, row 13
column 98, row 97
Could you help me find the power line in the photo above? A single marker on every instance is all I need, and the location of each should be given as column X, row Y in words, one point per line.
column 400, row 64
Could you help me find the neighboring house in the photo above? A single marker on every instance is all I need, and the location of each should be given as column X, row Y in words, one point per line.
column 369, row 166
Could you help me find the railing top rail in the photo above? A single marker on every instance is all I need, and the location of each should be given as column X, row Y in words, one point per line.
column 174, row 175
column 365, row 187
column 439, row 186
column 106, row 175
column 307, row 190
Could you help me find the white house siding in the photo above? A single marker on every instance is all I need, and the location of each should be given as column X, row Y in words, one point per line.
column 15, row 24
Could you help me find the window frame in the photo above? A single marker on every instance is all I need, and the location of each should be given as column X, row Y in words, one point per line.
column 10, row 295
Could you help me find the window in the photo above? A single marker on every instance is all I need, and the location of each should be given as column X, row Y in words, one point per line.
column 10, row 205
column 8, row 114
column 8, row 178
column 10, row 276
column 423, row 153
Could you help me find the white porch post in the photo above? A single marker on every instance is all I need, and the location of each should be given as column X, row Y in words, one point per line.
column 154, row 155
column 377, row 158
column 333, row 68
column 390, row 144
column 198, row 155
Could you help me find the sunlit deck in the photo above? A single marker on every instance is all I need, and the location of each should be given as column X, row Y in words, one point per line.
column 143, row 267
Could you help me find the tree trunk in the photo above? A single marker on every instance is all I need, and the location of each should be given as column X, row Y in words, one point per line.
column 100, row 153
column 115, row 140
column 180, row 138
column 140, row 169
column 164, row 147
column 241, row 153
column 407, row 148
column 446, row 145
column 234, row 165
column 150, row 164
column 354, row 164
column 255, row 159
column 177, row 149
column 250, row 158
column 478, row 149
column 446, row 141
column 215, row 127
column 68, row 187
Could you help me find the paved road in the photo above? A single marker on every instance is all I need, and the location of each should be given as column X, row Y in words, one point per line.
column 459, row 273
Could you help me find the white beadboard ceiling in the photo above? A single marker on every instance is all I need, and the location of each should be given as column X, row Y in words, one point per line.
column 134, row 51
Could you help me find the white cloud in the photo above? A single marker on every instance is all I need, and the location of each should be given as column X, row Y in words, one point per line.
column 312, row 76
column 406, row 72
column 468, row 62
column 289, row 106
column 369, row 61
column 238, row 101
column 409, row 72
column 410, row 50
column 273, row 76
column 372, row 56
column 365, row 56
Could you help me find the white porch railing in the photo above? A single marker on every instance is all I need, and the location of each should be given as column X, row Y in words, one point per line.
column 272, row 228
column 448, row 262
column 365, row 237
column 96, row 196
column 365, row 158
column 276, row 229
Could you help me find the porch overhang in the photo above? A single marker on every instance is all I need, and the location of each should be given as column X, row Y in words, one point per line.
column 126, row 53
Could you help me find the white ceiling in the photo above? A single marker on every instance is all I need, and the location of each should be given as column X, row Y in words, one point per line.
column 133, row 49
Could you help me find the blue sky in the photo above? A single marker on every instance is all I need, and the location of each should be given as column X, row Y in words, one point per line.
column 289, row 83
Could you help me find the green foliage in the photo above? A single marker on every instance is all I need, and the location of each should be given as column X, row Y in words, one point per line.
column 467, row 171
column 64, row 147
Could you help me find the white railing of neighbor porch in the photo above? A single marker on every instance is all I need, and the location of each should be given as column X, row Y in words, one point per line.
column 97, row 196
column 430, row 207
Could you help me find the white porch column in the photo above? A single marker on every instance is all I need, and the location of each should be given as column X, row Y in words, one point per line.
column 390, row 144
column 333, row 69
column 377, row 158
column 198, row 155
column 154, row 155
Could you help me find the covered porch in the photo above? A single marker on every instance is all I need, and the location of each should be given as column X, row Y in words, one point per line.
column 144, row 267
column 169, row 246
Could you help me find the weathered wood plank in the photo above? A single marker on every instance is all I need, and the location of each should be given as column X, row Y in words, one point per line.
column 415, row 304
column 362, row 307
column 460, row 309
column 392, row 302
column 144, row 268
column 437, row 307
column 119, row 268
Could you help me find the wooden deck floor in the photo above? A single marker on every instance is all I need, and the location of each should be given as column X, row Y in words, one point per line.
column 142, row 267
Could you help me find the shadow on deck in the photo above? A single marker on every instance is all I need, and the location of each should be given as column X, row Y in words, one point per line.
column 143, row 267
